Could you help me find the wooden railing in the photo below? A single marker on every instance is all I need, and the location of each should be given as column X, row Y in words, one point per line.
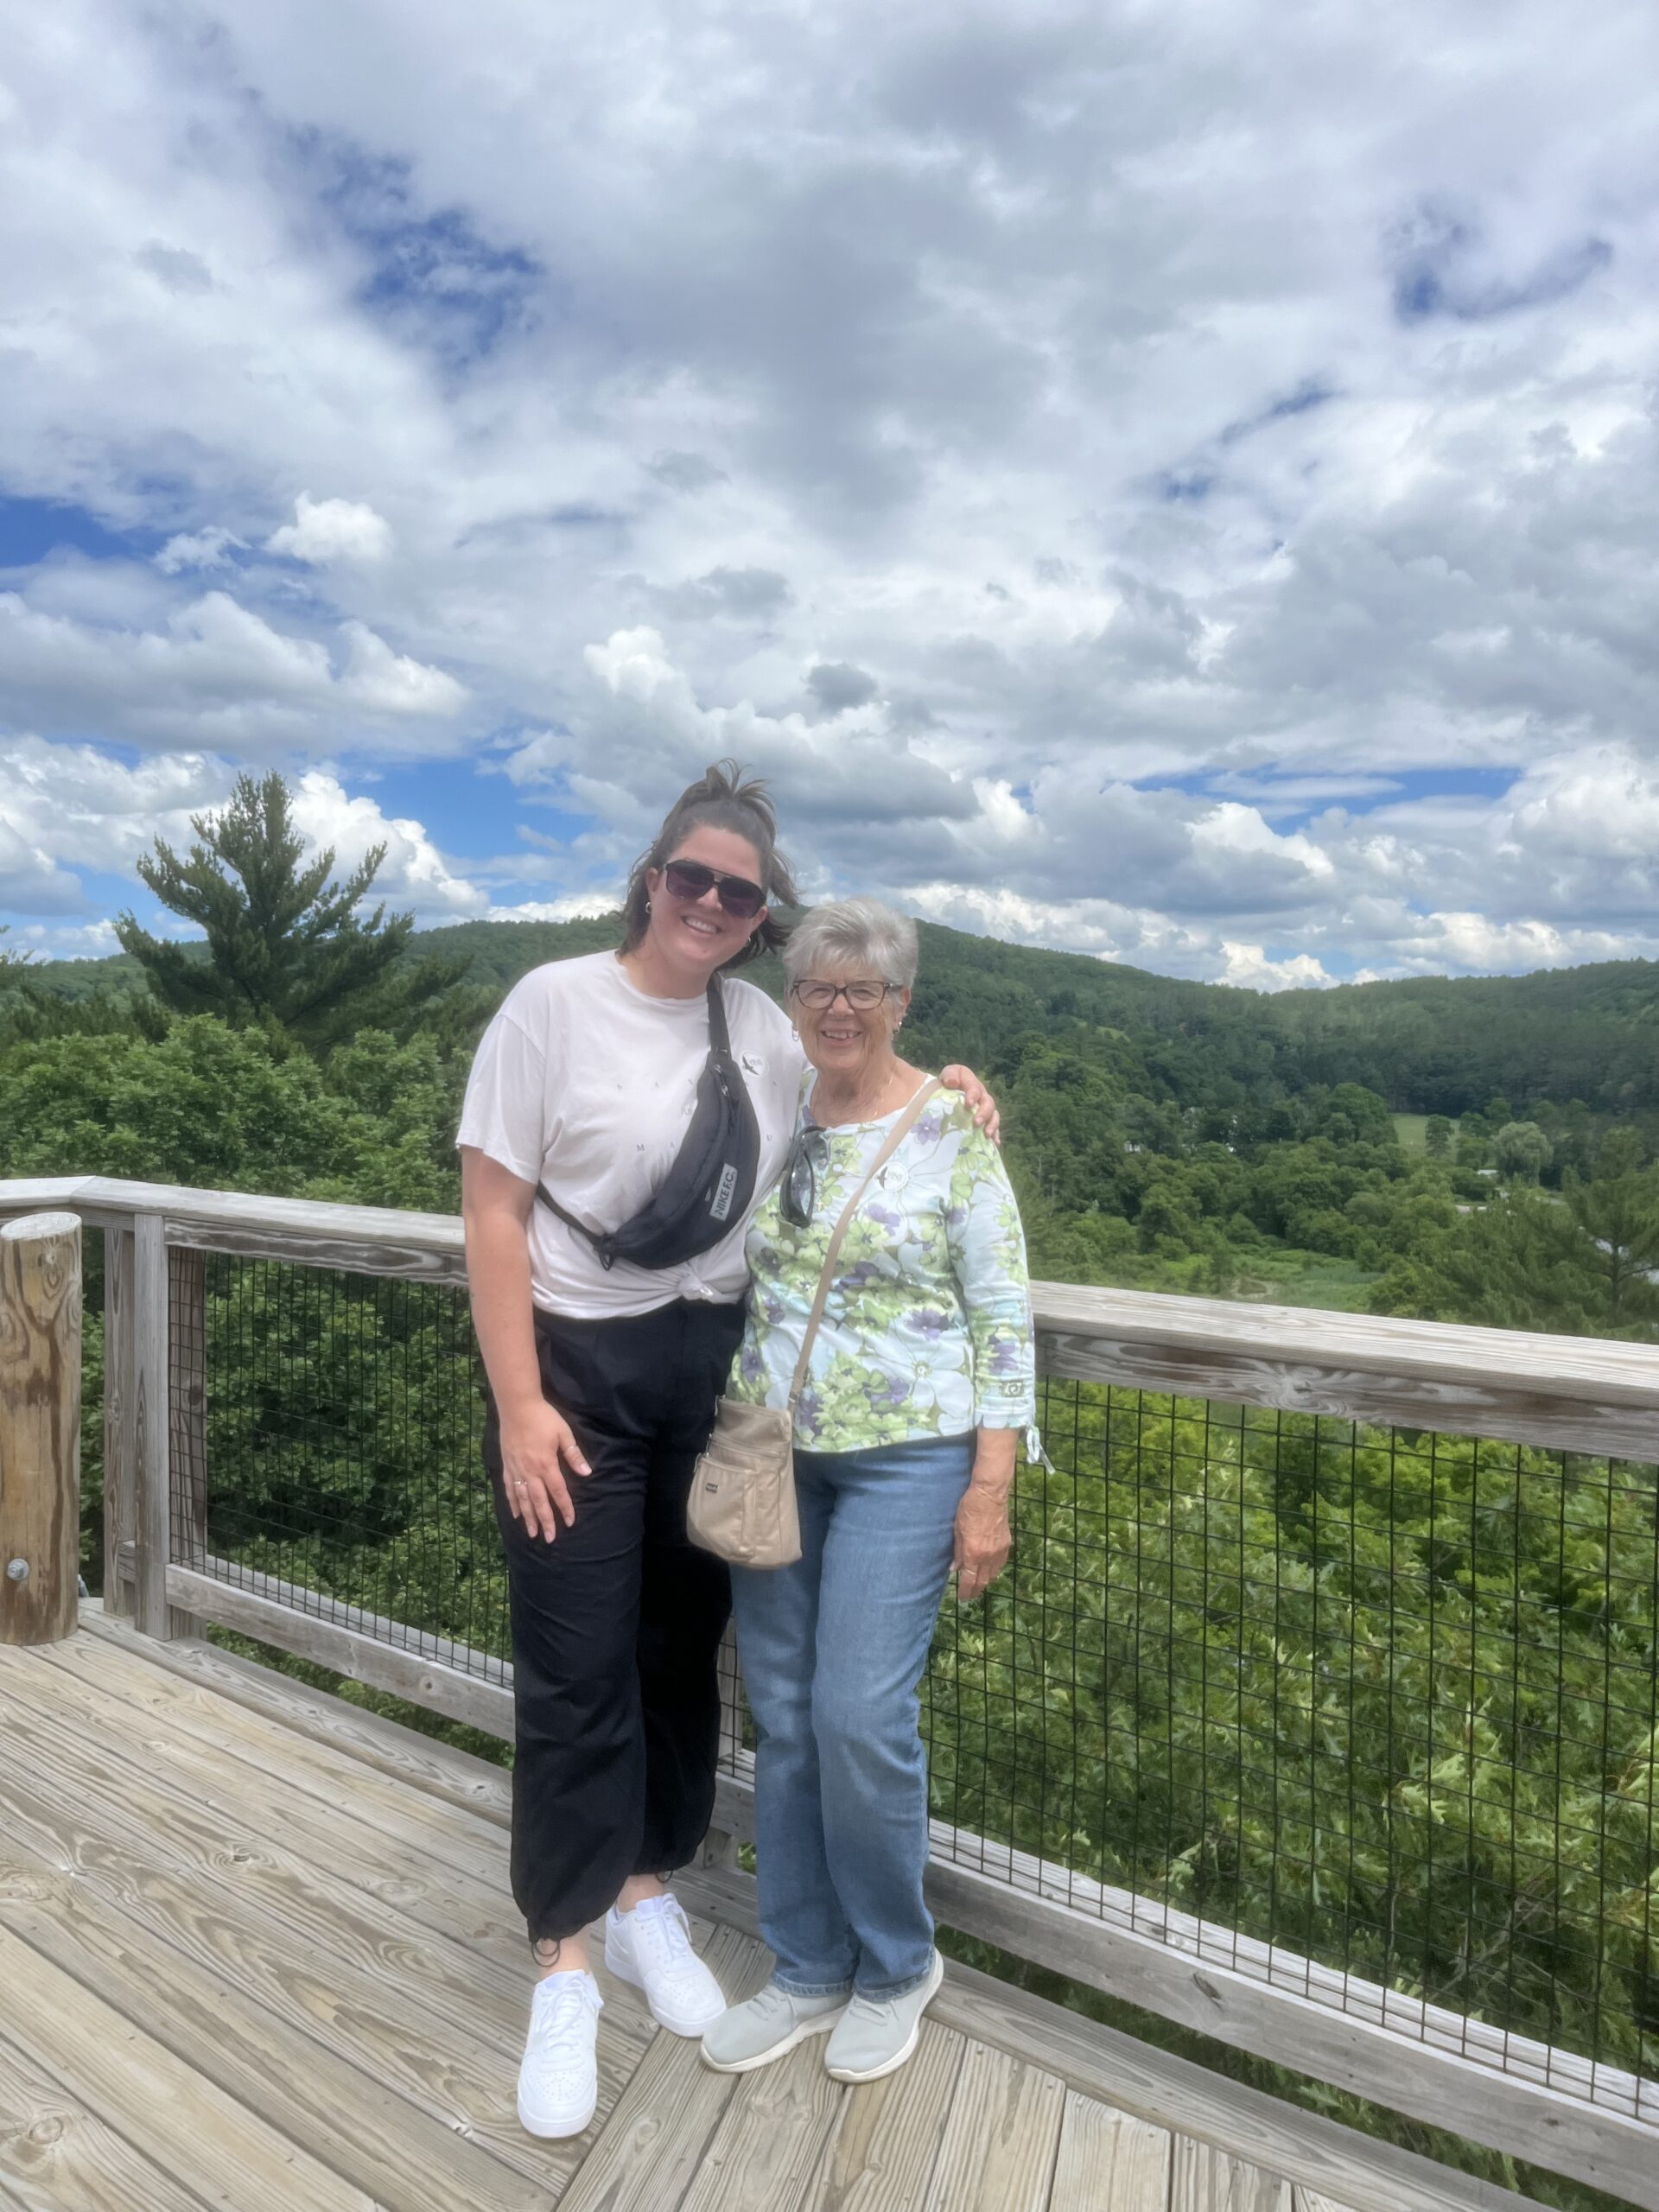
column 1563, row 2109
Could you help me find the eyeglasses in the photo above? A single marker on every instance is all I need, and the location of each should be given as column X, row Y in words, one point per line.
column 862, row 997
column 798, row 1193
column 691, row 880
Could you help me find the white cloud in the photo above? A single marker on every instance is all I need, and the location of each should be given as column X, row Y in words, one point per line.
column 215, row 670
column 323, row 531
column 1249, row 966
column 580, row 905
column 1119, row 464
column 413, row 873
column 197, row 549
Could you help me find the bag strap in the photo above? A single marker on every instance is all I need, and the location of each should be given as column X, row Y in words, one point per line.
column 720, row 1060
column 895, row 1137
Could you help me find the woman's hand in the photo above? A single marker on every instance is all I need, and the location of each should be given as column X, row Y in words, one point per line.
column 978, row 1101
column 537, row 1446
column 983, row 1541
column 983, row 1536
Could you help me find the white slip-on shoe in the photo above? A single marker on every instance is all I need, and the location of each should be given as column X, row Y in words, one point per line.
column 768, row 2025
column 651, row 1948
column 558, row 2082
column 876, row 2035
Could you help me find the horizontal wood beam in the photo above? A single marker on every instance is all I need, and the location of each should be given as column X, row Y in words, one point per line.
column 1294, row 1381
column 363, row 1658
column 1565, row 1393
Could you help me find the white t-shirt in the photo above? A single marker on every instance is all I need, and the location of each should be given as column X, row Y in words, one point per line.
column 586, row 1083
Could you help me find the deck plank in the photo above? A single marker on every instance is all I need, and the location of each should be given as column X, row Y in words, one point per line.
column 188, row 2127
column 209, row 1802
column 1310, row 2199
column 770, row 2137
column 1001, row 2139
column 1109, row 2161
column 58, row 2155
column 389, row 2146
column 446, row 1833
column 431, row 2020
column 649, row 2151
column 1205, row 2179
column 424, row 1763
column 886, row 2141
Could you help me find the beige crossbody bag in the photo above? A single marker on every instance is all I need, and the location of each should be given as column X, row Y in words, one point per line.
column 743, row 1491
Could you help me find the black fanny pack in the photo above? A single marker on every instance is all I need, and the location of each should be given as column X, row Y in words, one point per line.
column 708, row 1189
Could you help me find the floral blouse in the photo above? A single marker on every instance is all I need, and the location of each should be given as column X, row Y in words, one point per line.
column 926, row 1331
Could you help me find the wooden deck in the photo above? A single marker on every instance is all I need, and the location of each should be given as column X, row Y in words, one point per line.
column 257, row 1952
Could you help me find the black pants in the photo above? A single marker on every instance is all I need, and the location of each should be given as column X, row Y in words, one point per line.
column 617, row 1623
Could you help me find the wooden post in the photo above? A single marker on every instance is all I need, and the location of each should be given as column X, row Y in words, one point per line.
column 152, row 1473
column 120, row 1419
column 40, row 1427
column 187, row 1414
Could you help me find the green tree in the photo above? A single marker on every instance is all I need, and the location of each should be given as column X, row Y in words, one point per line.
column 1618, row 1213
column 287, row 949
column 1523, row 1150
column 11, row 962
column 1437, row 1136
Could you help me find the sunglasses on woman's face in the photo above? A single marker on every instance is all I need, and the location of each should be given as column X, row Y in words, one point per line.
column 691, row 880
column 797, row 1194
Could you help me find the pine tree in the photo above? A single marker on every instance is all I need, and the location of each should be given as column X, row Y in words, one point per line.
column 287, row 949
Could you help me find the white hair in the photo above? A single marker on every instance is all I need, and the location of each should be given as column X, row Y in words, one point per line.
column 854, row 933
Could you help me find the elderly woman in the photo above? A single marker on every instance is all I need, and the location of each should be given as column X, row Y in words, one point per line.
column 920, row 1379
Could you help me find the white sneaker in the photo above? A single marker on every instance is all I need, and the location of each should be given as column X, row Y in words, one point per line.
column 558, row 2082
column 651, row 1947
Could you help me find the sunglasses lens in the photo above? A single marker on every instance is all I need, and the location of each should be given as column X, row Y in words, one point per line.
column 691, row 879
column 688, row 879
column 740, row 897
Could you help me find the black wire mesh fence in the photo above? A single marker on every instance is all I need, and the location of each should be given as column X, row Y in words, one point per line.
column 338, row 1453
column 1368, row 1713
column 1372, row 1714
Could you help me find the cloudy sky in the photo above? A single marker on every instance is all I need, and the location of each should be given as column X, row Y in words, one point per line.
column 1174, row 480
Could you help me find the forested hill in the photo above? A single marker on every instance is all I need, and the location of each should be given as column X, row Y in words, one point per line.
column 1428, row 1045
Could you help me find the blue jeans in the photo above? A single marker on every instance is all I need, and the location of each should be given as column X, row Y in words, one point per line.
column 833, row 1651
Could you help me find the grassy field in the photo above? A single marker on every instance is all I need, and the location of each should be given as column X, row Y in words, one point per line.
column 1288, row 1277
column 1410, row 1127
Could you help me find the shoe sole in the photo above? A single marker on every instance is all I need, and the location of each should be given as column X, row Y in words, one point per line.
column 797, row 2035
column 935, row 1982
column 623, row 1971
column 557, row 2134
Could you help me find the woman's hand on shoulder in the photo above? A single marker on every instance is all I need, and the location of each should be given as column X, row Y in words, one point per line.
column 978, row 1101
column 537, row 1445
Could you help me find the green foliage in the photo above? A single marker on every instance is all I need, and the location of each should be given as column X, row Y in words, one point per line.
column 217, row 1107
column 1385, row 1699
column 1521, row 1149
column 287, row 949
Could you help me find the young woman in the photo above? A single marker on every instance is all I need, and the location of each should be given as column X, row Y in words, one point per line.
column 603, row 1380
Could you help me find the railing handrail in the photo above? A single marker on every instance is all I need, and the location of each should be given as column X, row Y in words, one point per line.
column 1583, row 1394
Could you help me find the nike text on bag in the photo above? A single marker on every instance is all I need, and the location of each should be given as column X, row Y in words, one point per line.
column 707, row 1190
column 742, row 1504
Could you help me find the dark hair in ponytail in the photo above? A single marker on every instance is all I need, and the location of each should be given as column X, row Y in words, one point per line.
column 721, row 798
